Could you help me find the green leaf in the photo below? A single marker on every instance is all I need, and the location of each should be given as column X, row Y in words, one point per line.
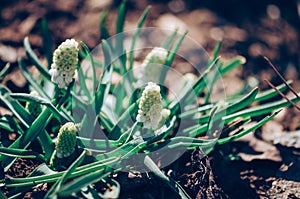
column 232, row 108
column 168, row 42
column 238, row 61
column 4, row 71
column 119, row 28
column 87, row 51
column 104, row 34
column 136, row 35
column 30, row 135
column 14, row 106
column 215, row 52
column 105, row 80
column 171, row 57
column 123, row 119
column 261, row 110
column 160, row 175
column 52, row 193
column 20, row 153
column 19, row 111
column 268, row 94
column 196, row 89
column 47, row 41
column 82, row 83
column 9, row 123
column 83, row 181
column 245, row 132
column 31, row 80
column 35, row 60
column 42, row 101
column 250, row 112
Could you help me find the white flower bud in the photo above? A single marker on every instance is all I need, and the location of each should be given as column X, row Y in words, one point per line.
column 64, row 64
column 152, row 66
column 150, row 107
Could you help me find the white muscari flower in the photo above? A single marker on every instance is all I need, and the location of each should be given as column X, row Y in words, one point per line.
column 66, row 140
column 150, row 107
column 152, row 66
column 64, row 64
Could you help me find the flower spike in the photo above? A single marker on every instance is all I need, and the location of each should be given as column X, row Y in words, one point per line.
column 64, row 64
column 66, row 140
column 152, row 66
column 150, row 107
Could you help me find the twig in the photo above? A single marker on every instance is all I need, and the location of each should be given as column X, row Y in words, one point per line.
column 282, row 95
column 281, row 77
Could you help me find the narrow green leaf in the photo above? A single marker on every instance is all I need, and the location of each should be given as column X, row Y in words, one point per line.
column 105, row 80
column 42, row 101
column 216, row 51
column 35, row 60
column 119, row 28
column 104, row 34
column 238, row 61
column 82, row 83
column 19, row 111
column 261, row 110
column 25, row 139
column 52, row 193
column 136, row 35
column 76, row 185
column 169, row 41
column 4, row 71
column 210, row 82
column 245, row 132
column 268, row 94
column 47, row 41
column 31, row 80
column 15, row 107
column 160, row 175
column 171, row 57
column 87, row 51
column 20, row 153
column 9, row 123
column 196, row 89
column 123, row 119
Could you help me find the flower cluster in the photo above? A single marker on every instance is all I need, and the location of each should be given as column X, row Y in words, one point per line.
column 64, row 64
column 150, row 107
column 66, row 140
column 152, row 66
column 33, row 108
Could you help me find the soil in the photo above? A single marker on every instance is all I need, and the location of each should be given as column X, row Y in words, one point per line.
column 263, row 164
